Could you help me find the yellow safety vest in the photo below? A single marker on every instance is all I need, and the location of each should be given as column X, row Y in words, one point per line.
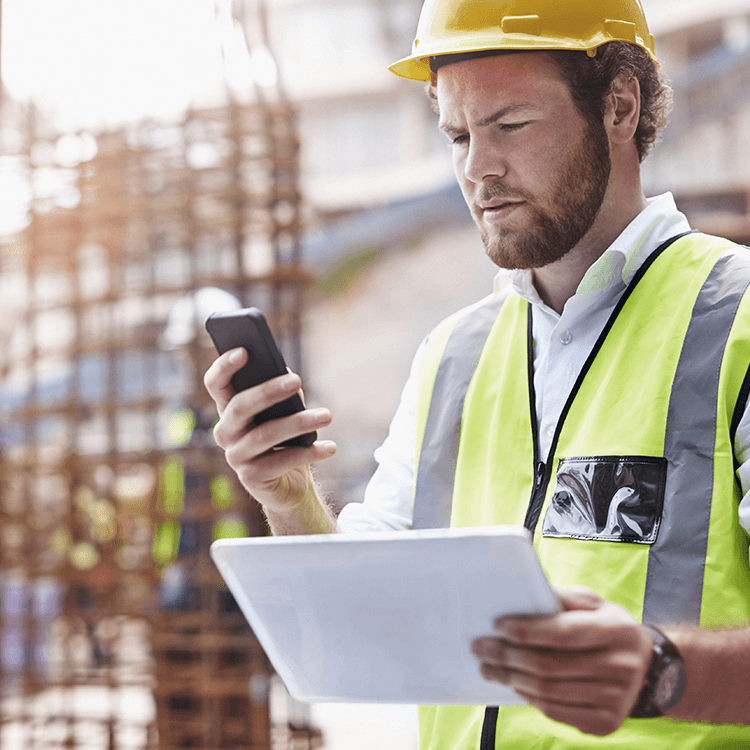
column 638, row 498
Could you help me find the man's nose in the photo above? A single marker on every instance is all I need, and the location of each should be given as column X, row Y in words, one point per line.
column 484, row 161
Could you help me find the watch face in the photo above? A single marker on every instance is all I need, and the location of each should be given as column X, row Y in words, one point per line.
column 669, row 686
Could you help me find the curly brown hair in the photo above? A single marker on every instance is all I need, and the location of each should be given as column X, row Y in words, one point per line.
column 590, row 80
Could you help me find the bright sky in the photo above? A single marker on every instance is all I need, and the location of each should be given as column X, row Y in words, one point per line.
column 101, row 61
column 98, row 61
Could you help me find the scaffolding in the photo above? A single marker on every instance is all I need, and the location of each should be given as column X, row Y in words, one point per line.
column 116, row 631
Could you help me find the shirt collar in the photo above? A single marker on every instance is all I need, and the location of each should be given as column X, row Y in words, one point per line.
column 657, row 223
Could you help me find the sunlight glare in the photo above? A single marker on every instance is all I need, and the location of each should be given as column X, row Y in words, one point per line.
column 94, row 63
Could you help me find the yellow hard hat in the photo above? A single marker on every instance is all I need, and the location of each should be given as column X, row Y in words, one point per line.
column 449, row 27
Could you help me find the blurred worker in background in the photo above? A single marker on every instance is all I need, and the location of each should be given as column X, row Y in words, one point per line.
column 598, row 397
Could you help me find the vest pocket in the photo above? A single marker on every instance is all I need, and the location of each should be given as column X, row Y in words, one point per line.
column 607, row 498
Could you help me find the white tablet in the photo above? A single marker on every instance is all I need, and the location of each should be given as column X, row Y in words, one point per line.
column 384, row 617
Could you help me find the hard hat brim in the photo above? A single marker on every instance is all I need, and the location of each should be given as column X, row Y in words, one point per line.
column 416, row 67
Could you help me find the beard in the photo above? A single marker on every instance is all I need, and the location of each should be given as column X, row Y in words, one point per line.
column 576, row 197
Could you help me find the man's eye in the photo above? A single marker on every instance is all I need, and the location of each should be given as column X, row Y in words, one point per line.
column 459, row 139
column 510, row 127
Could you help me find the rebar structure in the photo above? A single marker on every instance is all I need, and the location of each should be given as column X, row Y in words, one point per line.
column 115, row 629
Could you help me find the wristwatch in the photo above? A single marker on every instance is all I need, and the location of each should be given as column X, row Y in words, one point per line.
column 666, row 679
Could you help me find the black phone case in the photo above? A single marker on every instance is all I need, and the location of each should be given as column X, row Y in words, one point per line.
column 248, row 328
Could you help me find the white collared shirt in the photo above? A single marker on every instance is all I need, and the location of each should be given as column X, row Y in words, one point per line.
column 561, row 345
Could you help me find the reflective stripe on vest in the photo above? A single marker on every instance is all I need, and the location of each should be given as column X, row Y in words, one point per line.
column 437, row 458
column 691, row 423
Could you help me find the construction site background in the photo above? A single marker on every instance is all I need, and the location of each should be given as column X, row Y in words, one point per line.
column 115, row 628
column 306, row 181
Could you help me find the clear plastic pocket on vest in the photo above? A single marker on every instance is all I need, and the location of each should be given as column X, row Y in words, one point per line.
column 608, row 498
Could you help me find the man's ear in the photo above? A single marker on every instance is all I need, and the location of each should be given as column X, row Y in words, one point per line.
column 623, row 109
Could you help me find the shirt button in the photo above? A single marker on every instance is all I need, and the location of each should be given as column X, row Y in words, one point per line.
column 565, row 337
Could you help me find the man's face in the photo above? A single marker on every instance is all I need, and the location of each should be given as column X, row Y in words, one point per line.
column 533, row 172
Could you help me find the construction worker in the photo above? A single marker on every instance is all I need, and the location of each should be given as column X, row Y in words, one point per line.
column 599, row 396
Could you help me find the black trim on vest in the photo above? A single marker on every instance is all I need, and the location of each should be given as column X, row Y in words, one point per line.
column 540, row 483
column 539, row 467
column 739, row 411
column 489, row 728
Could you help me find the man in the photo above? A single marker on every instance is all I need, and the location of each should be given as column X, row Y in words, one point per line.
column 601, row 401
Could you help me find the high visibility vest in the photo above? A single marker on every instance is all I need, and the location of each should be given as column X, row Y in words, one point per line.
column 637, row 499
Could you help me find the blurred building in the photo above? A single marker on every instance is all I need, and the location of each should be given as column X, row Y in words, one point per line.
column 374, row 168
column 367, row 136
column 704, row 155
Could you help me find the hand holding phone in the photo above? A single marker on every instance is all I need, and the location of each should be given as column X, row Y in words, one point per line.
column 248, row 328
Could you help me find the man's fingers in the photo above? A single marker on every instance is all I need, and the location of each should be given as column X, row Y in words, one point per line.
column 301, row 392
column 571, row 630
column 569, row 692
column 218, row 377
column 239, row 413
column 591, row 690
column 583, row 666
column 557, row 666
column 578, row 597
column 242, row 444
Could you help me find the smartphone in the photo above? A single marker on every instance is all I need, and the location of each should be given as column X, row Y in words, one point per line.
column 249, row 329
